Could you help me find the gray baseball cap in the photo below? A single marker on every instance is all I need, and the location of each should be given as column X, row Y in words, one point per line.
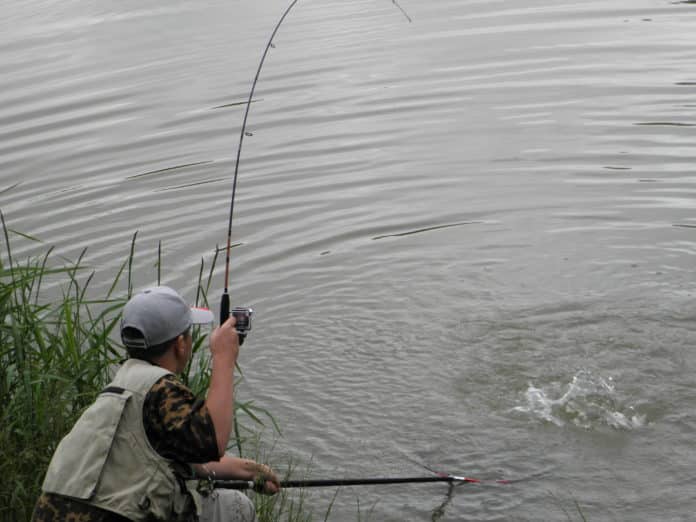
column 159, row 314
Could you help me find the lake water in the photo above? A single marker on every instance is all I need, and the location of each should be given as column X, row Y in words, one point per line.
column 470, row 238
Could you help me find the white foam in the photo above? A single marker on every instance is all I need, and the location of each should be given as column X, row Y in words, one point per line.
column 587, row 400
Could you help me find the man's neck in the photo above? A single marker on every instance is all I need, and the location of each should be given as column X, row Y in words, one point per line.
column 166, row 361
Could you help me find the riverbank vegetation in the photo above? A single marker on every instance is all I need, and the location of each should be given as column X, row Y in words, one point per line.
column 58, row 349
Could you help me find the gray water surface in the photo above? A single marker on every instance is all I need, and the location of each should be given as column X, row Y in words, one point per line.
column 470, row 239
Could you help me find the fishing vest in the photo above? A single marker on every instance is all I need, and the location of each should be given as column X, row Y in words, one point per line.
column 107, row 461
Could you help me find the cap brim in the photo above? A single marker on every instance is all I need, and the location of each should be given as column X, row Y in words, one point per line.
column 201, row 315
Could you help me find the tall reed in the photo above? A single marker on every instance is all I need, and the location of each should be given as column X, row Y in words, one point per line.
column 54, row 357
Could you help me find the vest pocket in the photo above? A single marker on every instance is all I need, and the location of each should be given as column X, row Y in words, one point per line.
column 165, row 497
column 78, row 462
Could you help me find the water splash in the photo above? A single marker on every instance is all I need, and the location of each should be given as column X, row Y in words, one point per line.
column 588, row 401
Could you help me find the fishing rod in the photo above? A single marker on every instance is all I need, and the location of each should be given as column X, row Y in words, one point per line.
column 244, row 315
column 438, row 477
column 467, row 479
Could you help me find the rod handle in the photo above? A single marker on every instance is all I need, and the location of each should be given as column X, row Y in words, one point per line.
column 224, row 307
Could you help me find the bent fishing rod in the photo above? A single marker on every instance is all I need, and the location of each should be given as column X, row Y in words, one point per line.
column 225, row 300
column 243, row 315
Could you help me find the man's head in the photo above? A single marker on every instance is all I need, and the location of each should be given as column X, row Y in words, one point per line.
column 155, row 318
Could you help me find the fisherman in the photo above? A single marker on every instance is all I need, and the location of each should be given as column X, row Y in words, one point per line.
column 139, row 452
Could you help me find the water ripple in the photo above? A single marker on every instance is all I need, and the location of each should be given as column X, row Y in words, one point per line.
column 563, row 131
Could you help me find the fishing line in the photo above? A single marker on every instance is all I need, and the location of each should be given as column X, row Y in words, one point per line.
column 397, row 4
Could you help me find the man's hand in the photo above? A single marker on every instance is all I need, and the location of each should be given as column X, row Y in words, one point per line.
column 234, row 468
column 224, row 344
column 266, row 480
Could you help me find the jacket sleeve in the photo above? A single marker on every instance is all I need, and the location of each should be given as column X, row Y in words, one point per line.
column 177, row 424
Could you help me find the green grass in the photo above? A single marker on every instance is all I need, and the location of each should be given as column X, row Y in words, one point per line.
column 57, row 351
column 55, row 355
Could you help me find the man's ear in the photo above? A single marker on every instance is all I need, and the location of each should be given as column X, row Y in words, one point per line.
column 180, row 345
